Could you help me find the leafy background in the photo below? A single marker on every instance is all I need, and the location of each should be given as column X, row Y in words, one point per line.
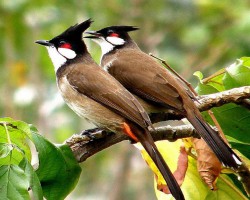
column 191, row 35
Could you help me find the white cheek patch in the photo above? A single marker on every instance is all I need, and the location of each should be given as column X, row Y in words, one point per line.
column 115, row 40
column 57, row 59
column 67, row 53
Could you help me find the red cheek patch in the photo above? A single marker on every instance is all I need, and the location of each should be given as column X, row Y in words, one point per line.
column 66, row 46
column 114, row 35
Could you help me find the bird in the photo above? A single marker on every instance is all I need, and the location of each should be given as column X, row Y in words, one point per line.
column 146, row 78
column 95, row 95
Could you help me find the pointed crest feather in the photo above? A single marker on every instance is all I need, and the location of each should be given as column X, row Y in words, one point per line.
column 76, row 30
column 120, row 28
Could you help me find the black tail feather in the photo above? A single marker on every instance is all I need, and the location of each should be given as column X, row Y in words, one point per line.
column 224, row 153
column 163, row 168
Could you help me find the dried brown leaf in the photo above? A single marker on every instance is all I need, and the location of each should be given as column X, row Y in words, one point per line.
column 208, row 165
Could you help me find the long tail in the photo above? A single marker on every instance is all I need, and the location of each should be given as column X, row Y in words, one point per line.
column 149, row 145
column 224, row 153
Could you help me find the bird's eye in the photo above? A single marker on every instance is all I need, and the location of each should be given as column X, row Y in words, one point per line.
column 114, row 35
column 65, row 45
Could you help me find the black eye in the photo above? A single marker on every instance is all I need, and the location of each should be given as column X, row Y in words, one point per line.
column 110, row 31
column 61, row 43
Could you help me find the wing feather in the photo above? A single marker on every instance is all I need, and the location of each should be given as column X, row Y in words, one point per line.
column 154, row 86
column 104, row 89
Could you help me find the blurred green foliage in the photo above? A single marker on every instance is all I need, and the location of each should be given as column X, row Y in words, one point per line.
column 190, row 35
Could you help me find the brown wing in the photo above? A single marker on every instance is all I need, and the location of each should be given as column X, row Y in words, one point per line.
column 142, row 75
column 104, row 89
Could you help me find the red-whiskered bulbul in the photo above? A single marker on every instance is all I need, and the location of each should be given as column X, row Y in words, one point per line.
column 97, row 96
column 143, row 76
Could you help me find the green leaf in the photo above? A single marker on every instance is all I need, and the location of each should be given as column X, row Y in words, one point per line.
column 19, row 134
column 234, row 119
column 34, row 182
column 226, row 190
column 198, row 74
column 230, row 139
column 202, row 89
column 243, row 148
column 12, row 156
column 246, row 61
column 58, row 170
column 14, row 183
column 217, row 81
column 20, row 125
column 5, row 149
column 237, row 75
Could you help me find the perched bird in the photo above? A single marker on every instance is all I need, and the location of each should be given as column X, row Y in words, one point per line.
column 143, row 76
column 95, row 95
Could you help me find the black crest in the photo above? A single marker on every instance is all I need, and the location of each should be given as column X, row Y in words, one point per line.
column 118, row 29
column 73, row 36
column 74, row 32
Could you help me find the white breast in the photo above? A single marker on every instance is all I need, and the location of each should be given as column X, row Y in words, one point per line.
column 57, row 59
column 88, row 108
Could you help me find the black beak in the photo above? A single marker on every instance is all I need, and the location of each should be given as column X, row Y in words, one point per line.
column 93, row 35
column 44, row 42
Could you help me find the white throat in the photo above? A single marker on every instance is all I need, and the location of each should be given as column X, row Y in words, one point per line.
column 105, row 46
column 110, row 44
column 60, row 56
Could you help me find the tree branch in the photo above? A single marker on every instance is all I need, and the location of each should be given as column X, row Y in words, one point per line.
column 235, row 95
column 205, row 102
column 92, row 141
